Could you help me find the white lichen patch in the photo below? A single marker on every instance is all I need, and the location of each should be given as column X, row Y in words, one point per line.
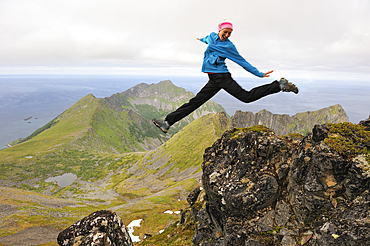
column 361, row 160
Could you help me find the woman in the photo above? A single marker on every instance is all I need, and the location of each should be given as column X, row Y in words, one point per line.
column 219, row 48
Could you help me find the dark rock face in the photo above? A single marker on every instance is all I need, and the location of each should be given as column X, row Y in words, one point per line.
column 265, row 189
column 366, row 123
column 99, row 228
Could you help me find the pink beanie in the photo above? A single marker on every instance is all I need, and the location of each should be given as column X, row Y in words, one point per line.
column 225, row 24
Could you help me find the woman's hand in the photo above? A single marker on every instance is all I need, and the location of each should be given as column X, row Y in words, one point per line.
column 267, row 74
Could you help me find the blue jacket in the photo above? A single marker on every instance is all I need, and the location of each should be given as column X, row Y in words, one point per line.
column 216, row 53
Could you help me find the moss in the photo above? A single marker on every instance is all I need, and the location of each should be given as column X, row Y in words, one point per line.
column 348, row 139
column 236, row 133
column 271, row 232
column 295, row 136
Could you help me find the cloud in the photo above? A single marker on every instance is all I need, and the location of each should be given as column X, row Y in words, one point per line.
column 311, row 35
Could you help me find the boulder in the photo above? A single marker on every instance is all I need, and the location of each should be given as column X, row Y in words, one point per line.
column 101, row 228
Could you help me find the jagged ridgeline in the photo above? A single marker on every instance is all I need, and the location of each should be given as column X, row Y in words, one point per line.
column 283, row 124
column 120, row 123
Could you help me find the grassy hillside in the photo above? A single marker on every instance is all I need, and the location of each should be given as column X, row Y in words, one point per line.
column 60, row 132
column 178, row 159
column 121, row 131
column 140, row 185
column 25, row 212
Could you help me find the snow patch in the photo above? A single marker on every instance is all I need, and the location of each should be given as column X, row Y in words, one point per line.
column 171, row 212
column 134, row 223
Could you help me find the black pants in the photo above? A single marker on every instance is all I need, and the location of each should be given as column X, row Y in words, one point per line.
column 217, row 82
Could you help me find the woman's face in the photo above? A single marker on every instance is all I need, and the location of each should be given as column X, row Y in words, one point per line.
column 225, row 33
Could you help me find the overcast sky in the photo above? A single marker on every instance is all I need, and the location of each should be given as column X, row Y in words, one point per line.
column 314, row 38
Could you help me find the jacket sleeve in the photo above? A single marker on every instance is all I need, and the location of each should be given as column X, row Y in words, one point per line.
column 229, row 51
column 205, row 39
column 234, row 55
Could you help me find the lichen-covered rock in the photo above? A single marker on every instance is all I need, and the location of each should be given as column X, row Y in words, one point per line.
column 101, row 228
column 241, row 176
column 265, row 189
column 349, row 226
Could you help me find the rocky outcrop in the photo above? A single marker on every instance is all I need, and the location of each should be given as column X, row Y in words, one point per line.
column 265, row 189
column 366, row 124
column 284, row 124
column 99, row 228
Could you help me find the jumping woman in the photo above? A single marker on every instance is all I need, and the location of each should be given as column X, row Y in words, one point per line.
column 219, row 48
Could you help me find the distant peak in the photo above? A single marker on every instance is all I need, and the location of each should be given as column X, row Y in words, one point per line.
column 164, row 89
column 90, row 95
column 167, row 81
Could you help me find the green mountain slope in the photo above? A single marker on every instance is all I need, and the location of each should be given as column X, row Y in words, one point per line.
column 137, row 185
column 65, row 129
column 158, row 100
column 117, row 124
column 178, row 160
column 120, row 131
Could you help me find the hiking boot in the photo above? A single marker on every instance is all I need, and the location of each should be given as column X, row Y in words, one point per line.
column 163, row 125
column 287, row 87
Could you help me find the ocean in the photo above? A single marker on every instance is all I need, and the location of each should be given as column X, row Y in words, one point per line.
column 28, row 102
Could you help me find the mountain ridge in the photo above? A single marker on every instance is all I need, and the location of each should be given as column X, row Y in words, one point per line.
column 284, row 124
column 122, row 123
